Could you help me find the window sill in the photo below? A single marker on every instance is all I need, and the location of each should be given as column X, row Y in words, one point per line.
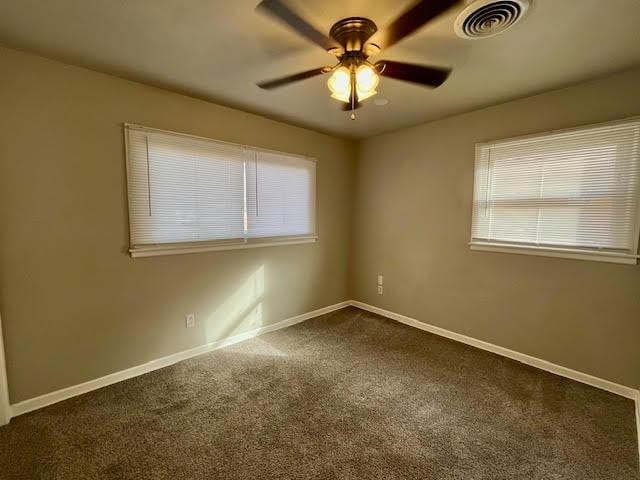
column 180, row 249
column 611, row 257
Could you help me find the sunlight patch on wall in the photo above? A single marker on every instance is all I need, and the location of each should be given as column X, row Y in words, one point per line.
column 240, row 312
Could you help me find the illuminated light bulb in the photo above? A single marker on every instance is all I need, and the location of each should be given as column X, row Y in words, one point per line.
column 340, row 84
column 366, row 81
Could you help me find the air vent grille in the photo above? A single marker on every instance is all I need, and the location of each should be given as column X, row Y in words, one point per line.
column 486, row 18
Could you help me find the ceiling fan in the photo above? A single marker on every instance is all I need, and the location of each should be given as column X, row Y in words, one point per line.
column 354, row 79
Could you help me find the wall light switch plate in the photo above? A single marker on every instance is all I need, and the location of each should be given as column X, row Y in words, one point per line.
column 190, row 320
column 380, row 279
column 380, row 290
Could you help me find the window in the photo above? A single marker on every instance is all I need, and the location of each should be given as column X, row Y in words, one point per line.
column 571, row 193
column 191, row 194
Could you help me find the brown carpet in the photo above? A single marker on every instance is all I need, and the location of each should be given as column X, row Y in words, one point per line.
column 349, row 395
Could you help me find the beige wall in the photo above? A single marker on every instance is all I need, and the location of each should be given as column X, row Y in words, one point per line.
column 74, row 305
column 412, row 224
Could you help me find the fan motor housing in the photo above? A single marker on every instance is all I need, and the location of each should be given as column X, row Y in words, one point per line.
column 487, row 18
column 353, row 32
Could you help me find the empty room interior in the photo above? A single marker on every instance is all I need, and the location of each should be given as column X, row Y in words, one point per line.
column 319, row 239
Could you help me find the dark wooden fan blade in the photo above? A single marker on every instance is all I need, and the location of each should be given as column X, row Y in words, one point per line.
column 278, row 10
column 420, row 74
column 286, row 80
column 411, row 20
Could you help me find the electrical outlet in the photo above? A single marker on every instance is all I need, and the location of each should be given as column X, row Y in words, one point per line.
column 380, row 290
column 380, row 279
column 190, row 320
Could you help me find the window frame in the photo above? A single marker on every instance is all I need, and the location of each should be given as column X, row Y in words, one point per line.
column 178, row 248
column 594, row 254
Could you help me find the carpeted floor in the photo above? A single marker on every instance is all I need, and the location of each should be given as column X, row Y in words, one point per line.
column 349, row 395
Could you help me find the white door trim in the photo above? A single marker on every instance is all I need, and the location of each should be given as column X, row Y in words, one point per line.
column 5, row 413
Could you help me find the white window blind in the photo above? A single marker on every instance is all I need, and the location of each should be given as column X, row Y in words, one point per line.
column 574, row 191
column 187, row 192
column 280, row 195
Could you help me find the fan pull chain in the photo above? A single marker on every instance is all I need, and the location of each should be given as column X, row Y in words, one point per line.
column 353, row 95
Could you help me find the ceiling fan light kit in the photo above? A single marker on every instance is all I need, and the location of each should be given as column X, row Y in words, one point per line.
column 353, row 81
column 364, row 77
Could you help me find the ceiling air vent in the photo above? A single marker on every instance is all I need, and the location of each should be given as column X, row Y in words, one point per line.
column 486, row 18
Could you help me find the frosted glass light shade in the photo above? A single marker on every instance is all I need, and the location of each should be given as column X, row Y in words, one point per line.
column 340, row 84
column 366, row 81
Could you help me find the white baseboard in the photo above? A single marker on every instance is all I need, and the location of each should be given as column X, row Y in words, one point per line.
column 5, row 409
column 65, row 393
column 638, row 420
column 612, row 387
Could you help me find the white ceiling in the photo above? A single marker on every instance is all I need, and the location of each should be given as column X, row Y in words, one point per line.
column 217, row 49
